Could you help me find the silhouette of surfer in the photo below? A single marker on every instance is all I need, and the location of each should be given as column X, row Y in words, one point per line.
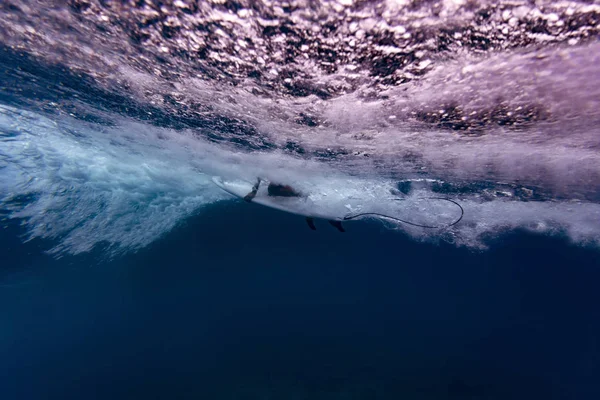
column 279, row 190
column 273, row 190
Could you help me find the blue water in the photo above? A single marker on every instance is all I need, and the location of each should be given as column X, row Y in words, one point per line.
column 254, row 305
column 126, row 273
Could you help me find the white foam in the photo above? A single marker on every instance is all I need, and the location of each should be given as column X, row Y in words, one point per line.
column 558, row 152
column 118, row 186
column 125, row 186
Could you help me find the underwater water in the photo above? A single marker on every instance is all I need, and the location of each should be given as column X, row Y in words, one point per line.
column 126, row 272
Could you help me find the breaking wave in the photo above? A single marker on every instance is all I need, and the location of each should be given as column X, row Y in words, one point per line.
column 114, row 118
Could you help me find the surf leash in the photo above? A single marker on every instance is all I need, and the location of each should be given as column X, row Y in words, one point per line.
column 462, row 213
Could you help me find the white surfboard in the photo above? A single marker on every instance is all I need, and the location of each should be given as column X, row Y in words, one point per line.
column 303, row 206
column 308, row 205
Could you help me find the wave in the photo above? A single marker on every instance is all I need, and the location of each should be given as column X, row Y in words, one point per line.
column 124, row 186
column 111, row 130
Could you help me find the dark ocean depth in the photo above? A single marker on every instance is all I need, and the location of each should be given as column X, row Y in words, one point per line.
column 242, row 302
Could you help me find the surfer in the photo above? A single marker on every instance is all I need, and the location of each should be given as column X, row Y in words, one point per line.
column 273, row 190
column 279, row 190
column 299, row 207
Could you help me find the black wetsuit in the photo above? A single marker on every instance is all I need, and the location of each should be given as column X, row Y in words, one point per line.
column 277, row 190
column 273, row 190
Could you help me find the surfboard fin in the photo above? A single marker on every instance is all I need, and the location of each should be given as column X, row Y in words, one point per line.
column 337, row 225
column 311, row 223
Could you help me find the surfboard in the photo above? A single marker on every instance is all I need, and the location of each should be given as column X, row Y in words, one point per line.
column 308, row 205
column 303, row 206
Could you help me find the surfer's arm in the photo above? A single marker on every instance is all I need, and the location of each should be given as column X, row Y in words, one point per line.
column 253, row 192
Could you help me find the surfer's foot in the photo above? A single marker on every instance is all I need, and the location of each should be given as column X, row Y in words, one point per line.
column 311, row 223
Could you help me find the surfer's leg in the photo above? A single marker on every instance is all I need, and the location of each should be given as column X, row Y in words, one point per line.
column 252, row 193
column 311, row 223
column 337, row 225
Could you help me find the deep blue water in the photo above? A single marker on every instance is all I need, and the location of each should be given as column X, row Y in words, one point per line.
column 247, row 303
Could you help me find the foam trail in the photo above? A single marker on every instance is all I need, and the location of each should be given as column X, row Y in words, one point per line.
column 125, row 185
column 86, row 186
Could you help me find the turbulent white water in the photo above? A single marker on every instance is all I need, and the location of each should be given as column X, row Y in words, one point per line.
column 126, row 185
column 110, row 130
